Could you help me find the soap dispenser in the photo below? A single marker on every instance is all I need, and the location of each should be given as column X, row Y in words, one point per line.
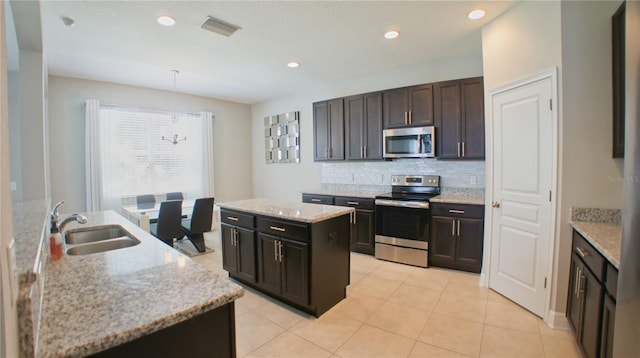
column 56, row 247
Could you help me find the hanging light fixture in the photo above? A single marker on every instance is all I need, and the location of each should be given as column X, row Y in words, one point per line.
column 174, row 116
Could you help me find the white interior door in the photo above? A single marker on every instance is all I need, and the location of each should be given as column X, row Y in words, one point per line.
column 522, row 183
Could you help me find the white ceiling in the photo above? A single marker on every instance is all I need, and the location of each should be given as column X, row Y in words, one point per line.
column 121, row 42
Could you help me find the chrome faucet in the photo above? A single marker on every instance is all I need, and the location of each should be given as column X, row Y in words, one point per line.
column 55, row 218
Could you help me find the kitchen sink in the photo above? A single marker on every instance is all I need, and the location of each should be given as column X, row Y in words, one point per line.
column 100, row 233
column 91, row 240
column 102, row 246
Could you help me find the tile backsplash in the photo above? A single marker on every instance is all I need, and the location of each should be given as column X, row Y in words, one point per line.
column 453, row 174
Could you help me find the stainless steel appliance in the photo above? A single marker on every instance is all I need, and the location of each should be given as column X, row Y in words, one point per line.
column 416, row 142
column 402, row 219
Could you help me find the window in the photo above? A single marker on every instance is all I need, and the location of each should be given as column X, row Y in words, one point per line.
column 134, row 159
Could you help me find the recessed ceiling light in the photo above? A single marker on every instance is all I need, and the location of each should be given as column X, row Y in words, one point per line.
column 476, row 14
column 166, row 20
column 293, row 64
column 391, row 34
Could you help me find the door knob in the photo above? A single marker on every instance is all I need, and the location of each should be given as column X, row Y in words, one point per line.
column 495, row 204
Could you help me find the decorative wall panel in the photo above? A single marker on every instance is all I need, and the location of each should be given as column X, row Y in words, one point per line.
column 282, row 138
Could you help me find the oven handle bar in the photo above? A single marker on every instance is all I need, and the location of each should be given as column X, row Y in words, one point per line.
column 403, row 204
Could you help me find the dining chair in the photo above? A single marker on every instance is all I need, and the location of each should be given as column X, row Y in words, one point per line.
column 200, row 222
column 146, row 201
column 168, row 226
column 177, row 195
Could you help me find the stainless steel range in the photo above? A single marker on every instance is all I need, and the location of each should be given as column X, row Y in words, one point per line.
column 402, row 219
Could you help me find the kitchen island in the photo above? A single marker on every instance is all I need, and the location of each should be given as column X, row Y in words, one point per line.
column 143, row 300
column 295, row 252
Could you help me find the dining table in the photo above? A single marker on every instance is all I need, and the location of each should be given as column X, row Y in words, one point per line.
column 144, row 214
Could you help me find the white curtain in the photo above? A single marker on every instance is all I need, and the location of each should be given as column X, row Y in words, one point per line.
column 207, row 146
column 93, row 161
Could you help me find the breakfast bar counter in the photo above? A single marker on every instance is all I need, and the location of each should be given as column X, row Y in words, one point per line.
column 103, row 301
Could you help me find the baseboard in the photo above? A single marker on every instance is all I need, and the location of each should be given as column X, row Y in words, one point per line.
column 484, row 280
column 558, row 320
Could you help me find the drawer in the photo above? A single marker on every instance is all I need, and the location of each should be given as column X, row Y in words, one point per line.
column 358, row 203
column 457, row 210
column 589, row 255
column 237, row 219
column 317, row 199
column 611, row 281
column 281, row 228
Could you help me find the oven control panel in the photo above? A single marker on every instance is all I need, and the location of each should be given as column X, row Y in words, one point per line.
column 415, row 180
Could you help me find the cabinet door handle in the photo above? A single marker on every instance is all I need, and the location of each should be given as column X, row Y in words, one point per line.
column 275, row 250
column 353, row 203
column 575, row 281
column 453, row 211
column 458, row 148
column 581, row 252
column 314, row 200
column 280, row 256
column 458, row 227
column 365, row 151
column 453, row 228
column 233, row 237
column 410, row 117
column 463, row 154
column 232, row 218
column 276, row 228
column 583, row 279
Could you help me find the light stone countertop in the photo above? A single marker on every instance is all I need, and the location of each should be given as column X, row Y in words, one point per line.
column 606, row 237
column 367, row 194
column 303, row 212
column 458, row 199
column 98, row 301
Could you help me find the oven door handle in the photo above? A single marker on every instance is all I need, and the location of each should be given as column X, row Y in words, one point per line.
column 403, row 204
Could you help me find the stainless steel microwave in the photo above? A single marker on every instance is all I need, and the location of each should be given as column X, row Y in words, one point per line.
column 415, row 142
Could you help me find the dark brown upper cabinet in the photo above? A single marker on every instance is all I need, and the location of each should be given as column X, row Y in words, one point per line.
column 408, row 106
column 328, row 130
column 618, row 63
column 363, row 126
column 459, row 112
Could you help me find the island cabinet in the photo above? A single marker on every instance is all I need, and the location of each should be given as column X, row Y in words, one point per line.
column 591, row 299
column 459, row 112
column 304, row 264
column 457, row 232
column 238, row 244
column 363, row 126
column 328, row 130
column 408, row 106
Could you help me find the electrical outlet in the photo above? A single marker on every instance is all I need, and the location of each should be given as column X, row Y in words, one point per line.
column 473, row 180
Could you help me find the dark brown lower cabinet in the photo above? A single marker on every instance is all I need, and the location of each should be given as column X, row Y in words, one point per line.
column 303, row 264
column 590, row 307
column 284, row 268
column 238, row 253
column 457, row 233
column 211, row 334
column 363, row 232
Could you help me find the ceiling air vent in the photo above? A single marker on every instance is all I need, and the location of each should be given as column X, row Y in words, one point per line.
column 218, row 26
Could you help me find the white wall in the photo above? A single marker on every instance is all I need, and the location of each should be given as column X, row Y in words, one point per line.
column 574, row 36
column 285, row 181
column 589, row 172
column 232, row 135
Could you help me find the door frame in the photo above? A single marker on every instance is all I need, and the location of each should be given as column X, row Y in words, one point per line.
column 551, row 74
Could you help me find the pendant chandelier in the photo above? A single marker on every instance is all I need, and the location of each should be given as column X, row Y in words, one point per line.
column 174, row 116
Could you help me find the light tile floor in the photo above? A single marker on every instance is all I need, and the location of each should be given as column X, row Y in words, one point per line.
column 394, row 310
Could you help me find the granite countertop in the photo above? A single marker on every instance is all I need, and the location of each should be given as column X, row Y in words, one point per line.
column 303, row 212
column 98, row 301
column 606, row 237
column 456, row 198
column 356, row 193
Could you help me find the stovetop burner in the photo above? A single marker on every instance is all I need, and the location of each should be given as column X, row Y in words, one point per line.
column 413, row 187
